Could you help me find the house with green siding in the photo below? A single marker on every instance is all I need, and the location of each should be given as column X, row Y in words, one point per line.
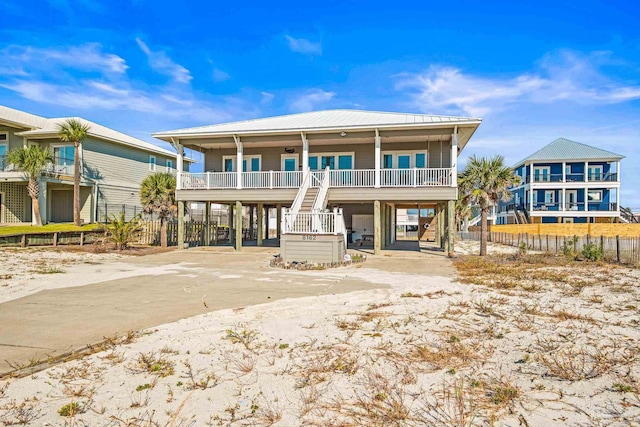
column 113, row 165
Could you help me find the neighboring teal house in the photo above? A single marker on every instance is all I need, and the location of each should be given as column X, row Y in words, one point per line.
column 565, row 181
column 113, row 165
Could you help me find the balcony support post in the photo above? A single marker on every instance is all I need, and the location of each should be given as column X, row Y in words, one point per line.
column 278, row 220
column 207, row 223
column 239, row 161
column 378, row 159
column 179, row 161
column 260, row 227
column 305, row 151
column 180, row 224
column 564, row 199
column 451, row 229
column 377, row 229
column 238, row 225
column 564, row 171
column 586, row 171
column 454, row 157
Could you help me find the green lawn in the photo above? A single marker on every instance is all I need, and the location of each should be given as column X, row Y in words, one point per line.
column 49, row 228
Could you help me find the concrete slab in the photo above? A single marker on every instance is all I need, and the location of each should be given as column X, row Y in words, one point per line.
column 52, row 322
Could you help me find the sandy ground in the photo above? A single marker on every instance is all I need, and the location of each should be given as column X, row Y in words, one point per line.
column 427, row 351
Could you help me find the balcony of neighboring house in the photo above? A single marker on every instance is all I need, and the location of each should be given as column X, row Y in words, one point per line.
column 572, row 172
column 61, row 168
column 574, row 202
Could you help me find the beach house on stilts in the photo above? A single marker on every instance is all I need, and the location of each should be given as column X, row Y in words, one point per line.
column 332, row 176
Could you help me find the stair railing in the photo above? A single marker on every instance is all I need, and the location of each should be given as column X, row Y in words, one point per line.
column 297, row 202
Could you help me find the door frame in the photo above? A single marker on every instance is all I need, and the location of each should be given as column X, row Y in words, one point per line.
column 295, row 156
column 575, row 202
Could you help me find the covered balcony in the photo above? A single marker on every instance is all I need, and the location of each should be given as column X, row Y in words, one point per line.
column 338, row 178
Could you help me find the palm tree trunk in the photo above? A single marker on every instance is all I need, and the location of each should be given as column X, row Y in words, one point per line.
column 483, row 231
column 34, row 192
column 76, row 183
column 163, row 233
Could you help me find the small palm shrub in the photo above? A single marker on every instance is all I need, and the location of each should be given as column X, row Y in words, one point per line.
column 121, row 232
column 569, row 248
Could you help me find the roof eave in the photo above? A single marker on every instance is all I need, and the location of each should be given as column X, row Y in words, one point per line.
column 167, row 136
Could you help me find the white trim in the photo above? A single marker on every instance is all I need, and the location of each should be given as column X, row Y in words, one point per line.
column 169, row 165
column 333, row 154
column 542, row 168
column 152, row 164
column 410, row 153
column 551, row 199
column 290, row 156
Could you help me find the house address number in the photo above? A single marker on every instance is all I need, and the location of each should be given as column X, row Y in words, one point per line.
column 308, row 237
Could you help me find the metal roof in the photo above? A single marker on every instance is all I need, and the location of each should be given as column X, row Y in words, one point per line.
column 320, row 120
column 565, row 149
column 44, row 127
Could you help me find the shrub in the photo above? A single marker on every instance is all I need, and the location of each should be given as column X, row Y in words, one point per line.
column 69, row 410
column 121, row 232
column 569, row 248
column 592, row 252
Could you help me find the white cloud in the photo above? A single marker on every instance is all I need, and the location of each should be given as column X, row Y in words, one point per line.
column 161, row 63
column 86, row 57
column 219, row 75
column 304, row 46
column 266, row 97
column 311, row 99
column 562, row 77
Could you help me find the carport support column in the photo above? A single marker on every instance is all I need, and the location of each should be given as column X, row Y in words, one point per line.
column 446, row 227
column 383, row 225
column 180, row 224
column 230, row 222
column 278, row 220
column 260, row 223
column 238, row 226
column 377, row 229
column 451, row 228
column 207, row 223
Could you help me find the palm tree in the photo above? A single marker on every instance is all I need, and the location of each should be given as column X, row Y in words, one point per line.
column 158, row 195
column 485, row 182
column 32, row 160
column 73, row 130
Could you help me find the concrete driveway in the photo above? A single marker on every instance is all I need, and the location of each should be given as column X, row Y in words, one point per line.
column 52, row 322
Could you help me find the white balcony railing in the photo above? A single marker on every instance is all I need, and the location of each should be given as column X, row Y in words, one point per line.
column 313, row 222
column 341, row 178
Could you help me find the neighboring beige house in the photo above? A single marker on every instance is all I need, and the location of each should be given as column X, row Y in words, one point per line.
column 336, row 173
column 113, row 165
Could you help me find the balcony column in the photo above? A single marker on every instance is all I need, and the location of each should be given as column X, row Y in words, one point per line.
column 179, row 161
column 378, row 160
column 454, row 157
column 564, row 199
column 586, row 172
column 564, row 171
column 238, row 226
column 260, row 227
column 239, row 162
column 305, row 152
column 377, row 228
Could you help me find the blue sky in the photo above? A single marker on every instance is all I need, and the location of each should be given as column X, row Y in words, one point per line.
column 533, row 72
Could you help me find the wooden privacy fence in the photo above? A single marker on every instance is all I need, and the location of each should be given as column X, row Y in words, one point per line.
column 625, row 250
column 587, row 229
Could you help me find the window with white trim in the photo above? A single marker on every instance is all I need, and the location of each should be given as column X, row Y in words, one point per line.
column 152, row 163
column 340, row 160
column 169, row 165
column 251, row 163
column 549, row 197
column 594, row 195
column 404, row 159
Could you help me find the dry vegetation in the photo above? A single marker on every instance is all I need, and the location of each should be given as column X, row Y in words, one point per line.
column 517, row 340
